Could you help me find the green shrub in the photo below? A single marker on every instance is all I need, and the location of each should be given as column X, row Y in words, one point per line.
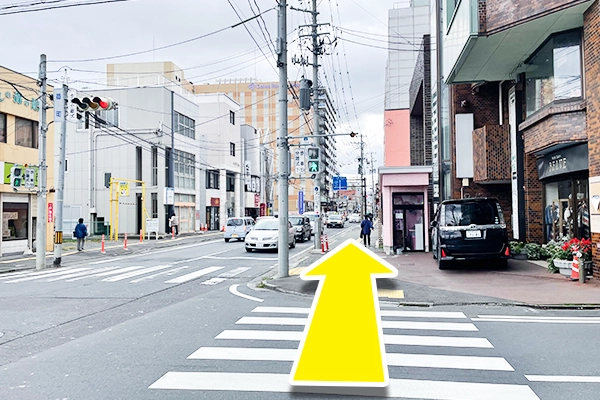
column 533, row 250
column 516, row 247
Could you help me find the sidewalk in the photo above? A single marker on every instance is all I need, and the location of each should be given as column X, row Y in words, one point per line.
column 71, row 256
column 422, row 283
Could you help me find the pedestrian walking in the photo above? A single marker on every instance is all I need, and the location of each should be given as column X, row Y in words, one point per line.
column 174, row 222
column 366, row 227
column 80, row 233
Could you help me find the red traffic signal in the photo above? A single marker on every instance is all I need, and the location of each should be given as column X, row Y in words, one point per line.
column 94, row 103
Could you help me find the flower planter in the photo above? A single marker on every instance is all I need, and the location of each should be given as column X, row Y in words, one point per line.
column 564, row 266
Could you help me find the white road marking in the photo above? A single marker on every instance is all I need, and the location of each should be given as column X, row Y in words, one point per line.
column 234, row 272
column 200, row 258
column 22, row 273
column 401, row 388
column 135, row 273
column 384, row 313
column 194, row 275
column 538, row 321
column 405, row 340
column 530, row 317
column 115, row 270
column 213, row 281
column 437, row 326
column 233, row 290
column 561, row 378
column 393, row 359
column 42, row 276
column 174, row 248
column 78, row 274
column 168, row 272
column 239, row 258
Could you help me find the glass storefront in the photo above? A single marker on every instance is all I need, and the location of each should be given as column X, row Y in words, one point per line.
column 566, row 209
column 408, row 215
column 14, row 221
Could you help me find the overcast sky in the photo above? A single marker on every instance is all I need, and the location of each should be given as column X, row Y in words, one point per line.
column 353, row 73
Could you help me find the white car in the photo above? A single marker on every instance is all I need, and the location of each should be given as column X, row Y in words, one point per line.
column 265, row 235
column 354, row 218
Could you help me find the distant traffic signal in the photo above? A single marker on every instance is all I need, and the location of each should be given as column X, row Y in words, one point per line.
column 314, row 160
column 353, row 134
column 16, row 176
column 94, row 103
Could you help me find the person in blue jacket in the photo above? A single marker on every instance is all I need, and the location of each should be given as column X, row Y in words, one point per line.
column 366, row 227
column 80, row 233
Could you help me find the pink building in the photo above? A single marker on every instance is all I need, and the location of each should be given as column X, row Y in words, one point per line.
column 396, row 139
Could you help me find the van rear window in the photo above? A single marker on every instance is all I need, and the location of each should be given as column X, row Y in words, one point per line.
column 465, row 214
column 235, row 222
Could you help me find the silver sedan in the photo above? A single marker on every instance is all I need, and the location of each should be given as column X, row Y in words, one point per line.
column 265, row 235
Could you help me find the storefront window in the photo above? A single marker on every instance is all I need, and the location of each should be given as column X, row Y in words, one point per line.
column 14, row 221
column 554, row 71
column 566, row 212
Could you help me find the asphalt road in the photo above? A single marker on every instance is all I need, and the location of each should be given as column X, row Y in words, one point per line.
column 184, row 324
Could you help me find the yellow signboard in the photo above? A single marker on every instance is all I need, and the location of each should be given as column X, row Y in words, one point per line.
column 342, row 343
column 123, row 189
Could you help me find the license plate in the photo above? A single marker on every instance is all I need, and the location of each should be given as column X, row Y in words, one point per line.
column 473, row 234
column 234, row 235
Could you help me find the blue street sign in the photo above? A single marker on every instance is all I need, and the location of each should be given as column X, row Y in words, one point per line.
column 301, row 202
column 336, row 183
column 340, row 183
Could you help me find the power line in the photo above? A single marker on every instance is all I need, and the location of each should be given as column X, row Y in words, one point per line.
column 20, row 11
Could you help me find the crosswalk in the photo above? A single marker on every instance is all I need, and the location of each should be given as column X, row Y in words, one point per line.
column 415, row 340
column 172, row 274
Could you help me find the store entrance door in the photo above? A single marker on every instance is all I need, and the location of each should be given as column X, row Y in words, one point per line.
column 408, row 215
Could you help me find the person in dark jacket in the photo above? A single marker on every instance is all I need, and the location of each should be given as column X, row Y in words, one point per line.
column 80, row 233
column 366, row 227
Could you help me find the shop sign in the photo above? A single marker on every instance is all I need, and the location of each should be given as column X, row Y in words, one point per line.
column 256, row 199
column 18, row 99
column 565, row 161
column 215, row 202
column 50, row 212
column 263, row 209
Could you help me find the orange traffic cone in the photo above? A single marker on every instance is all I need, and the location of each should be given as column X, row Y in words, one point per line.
column 322, row 244
column 326, row 243
column 575, row 268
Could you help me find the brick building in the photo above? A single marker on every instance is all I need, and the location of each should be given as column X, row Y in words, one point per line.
column 524, row 112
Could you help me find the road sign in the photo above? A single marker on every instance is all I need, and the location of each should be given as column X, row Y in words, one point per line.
column 300, row 161
column 71, row 112
column 59, row 104
column 301, row 202
column 340, row 183
column 344, row 318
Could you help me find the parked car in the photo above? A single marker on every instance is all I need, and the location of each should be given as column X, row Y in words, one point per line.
column 354, row 218
column 265, row 235
column 237, row 228
column 335, row 221
column 469, row 229
column 302, row 226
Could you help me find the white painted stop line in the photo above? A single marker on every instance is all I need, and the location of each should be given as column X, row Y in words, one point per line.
column 194, row 275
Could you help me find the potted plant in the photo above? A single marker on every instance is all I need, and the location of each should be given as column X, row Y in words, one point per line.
column 533, row 251
column 583, row 249
column 517, row 250
column 556, row 257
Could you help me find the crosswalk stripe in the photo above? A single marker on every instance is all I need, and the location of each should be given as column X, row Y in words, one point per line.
column 113, row 271
column 563, row 378
column 405, row 340
column 77, row 274
column 42, row 276
column 194, row 275
column 437, row 326
column 403, row 388
column 234, row 272
column 530, row 317
column 393, row 359
column 383, row 313
column 213, row 281
column 11, row 275
column 537, row 321
column 168, row 272
column 135, row 273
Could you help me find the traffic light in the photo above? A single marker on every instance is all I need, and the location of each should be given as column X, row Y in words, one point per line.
column 314, row 160
column 353, row 134
column 305, row 86
column 94, row 103
column 16, row 176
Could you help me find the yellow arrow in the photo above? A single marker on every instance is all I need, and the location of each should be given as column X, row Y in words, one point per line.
column 342, row 344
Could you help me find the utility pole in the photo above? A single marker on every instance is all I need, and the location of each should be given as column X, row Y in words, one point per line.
column 319, row 178
column 60, row 190
column 40, row 240
column 282, row 142
column 372, row 185
column 361, row 170
column 171, row 160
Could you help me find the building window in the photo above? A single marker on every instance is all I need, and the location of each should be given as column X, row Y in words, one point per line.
column 230, row 182
column 154, row 201
column 2, row 128
column 185, row 126
column 26, row 133
column 185, row 170
column 555, row 71
column 232, row 117
column 154, row 166
column 15, row 217
column 212, row 179
column 107, row 118
column 138, row 165
column 232, row 149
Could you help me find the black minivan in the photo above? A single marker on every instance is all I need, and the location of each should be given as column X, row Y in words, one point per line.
column 469, row 229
